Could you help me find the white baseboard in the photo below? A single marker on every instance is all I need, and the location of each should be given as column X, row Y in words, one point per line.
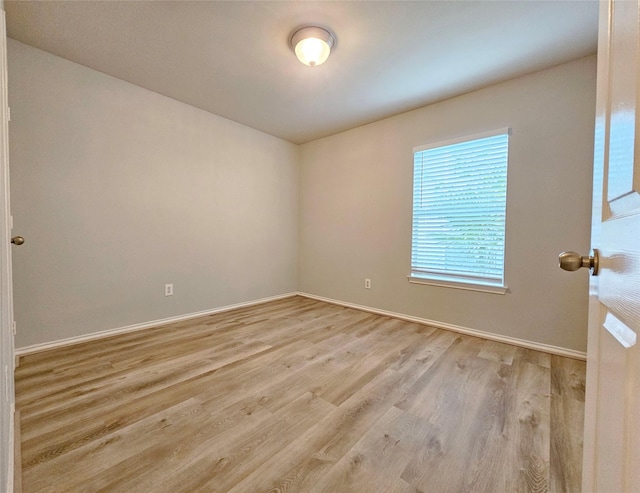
column 537, row 346
column 145, row 325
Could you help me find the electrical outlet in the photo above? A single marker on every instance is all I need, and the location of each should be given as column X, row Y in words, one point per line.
column 168, row 289
column 367, row 283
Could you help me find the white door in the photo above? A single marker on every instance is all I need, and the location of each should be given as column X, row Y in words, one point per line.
column 612, row 413
column 6, row 298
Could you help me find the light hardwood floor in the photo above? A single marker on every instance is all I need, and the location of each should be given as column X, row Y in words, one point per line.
column 299, row 396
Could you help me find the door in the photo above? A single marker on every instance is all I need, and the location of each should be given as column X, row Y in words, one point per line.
column 612, row 409
column 7, row 405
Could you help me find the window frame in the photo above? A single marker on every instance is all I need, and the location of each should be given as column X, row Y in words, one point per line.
column 453, row 280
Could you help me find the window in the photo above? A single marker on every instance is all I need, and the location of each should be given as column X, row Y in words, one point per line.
column 459, row 211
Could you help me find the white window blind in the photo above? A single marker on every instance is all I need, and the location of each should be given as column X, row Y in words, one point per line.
column 459, row 210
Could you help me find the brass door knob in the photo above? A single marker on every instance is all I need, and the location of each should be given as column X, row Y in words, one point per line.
column 17, row 240
column 573, row 261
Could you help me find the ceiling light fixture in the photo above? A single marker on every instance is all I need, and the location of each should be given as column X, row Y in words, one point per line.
column 312, row 44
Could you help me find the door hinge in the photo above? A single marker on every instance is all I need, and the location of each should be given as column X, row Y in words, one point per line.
column 8, row 113
column 14, row 327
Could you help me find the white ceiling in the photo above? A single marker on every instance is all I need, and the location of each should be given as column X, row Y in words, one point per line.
column 233, row 59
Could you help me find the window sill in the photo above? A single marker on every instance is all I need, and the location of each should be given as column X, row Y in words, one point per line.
column 445, row 283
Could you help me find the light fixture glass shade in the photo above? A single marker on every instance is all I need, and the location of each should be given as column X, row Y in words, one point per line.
column 312, row 45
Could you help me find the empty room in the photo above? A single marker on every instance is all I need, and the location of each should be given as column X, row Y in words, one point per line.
column 324, row 246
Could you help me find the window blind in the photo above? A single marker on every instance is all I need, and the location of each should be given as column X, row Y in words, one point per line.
column 459, row 210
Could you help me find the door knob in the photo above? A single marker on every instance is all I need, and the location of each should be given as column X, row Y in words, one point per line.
column 17, row 240
column 573, row 261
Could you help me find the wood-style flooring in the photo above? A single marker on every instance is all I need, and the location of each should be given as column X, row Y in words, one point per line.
column 298, row 395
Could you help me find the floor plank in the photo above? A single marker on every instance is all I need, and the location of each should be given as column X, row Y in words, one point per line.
column 298, row 395
column 567, row 421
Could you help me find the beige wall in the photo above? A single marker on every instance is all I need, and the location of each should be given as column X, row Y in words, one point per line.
column 119, row 190
column 355, row 208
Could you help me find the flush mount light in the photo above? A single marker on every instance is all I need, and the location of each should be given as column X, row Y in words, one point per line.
column 312, row 44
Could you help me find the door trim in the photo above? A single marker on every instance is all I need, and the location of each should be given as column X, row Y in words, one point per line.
column 7, row 360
